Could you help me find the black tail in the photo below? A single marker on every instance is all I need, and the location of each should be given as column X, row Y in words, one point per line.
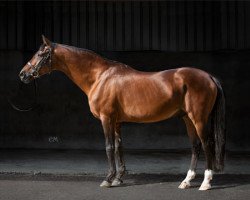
column 218, row 127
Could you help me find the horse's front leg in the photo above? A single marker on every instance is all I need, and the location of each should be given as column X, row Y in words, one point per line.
column 120, row 168
column 109, row 132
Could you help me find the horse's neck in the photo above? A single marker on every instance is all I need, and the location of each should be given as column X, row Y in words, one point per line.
column 83, row 68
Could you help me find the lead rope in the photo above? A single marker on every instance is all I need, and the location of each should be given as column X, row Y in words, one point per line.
column 35, row 104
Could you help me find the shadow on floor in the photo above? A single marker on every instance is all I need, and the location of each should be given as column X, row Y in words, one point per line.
column 220, row 181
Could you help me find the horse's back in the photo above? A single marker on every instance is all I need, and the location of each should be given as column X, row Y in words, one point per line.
column 147, row 96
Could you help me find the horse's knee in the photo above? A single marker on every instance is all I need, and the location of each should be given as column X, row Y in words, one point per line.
column 109, row 147
column 119, row 154
column 118, row 150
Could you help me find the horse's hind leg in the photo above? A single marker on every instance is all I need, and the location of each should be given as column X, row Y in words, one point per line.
column 120, row 164
column 196, row 146
column 208, row 150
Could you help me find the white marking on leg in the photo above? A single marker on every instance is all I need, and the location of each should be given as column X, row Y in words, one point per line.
column 208, row 176
column 105, row 184
column 116, row 182
column 186, row 182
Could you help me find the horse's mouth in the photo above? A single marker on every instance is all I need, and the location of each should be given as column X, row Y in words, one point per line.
column 26, row 79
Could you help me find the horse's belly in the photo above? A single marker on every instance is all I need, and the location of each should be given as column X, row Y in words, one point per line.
column 146, row 111
column 150, row 116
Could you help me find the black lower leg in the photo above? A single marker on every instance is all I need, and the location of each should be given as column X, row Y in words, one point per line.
column 119, row 154
column 195, row 155
column 111, row 161
column 120, row 162
column 208, row 155
column 109, row 129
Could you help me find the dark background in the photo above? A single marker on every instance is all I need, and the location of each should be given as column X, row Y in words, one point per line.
column 150, row 36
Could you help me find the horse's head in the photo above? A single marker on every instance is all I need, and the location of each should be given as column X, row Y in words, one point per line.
column 39, row 64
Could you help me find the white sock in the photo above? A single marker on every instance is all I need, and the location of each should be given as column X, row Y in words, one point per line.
column 190, row 175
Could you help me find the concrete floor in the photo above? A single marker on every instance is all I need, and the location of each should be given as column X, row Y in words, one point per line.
column 231, row 187
column 76, row 174
column 79, row 162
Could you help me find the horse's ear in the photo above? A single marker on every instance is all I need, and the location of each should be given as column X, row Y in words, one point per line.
column 46, row 41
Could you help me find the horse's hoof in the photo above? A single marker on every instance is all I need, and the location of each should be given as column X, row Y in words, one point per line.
column 105, row 184
column 116, row 182
column 184, row 185
column 204, row 187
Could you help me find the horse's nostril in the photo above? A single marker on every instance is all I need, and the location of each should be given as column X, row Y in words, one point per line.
column 22, row 74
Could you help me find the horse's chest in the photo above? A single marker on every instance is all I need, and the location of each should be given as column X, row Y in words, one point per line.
column 100, row 104
column 94, row 108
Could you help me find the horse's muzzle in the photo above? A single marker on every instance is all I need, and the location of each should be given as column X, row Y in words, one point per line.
column 26, row 78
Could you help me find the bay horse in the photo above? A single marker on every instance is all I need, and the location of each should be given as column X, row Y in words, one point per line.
column 118, row 93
